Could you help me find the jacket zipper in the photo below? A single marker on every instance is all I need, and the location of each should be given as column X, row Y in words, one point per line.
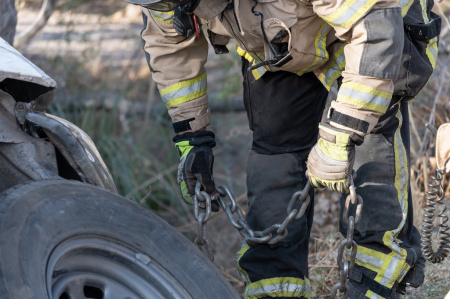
column 233, row 32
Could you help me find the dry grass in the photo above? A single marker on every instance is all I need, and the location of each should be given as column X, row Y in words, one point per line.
column 95, row 68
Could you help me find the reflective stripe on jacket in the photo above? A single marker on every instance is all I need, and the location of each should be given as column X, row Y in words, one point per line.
column 319, row 34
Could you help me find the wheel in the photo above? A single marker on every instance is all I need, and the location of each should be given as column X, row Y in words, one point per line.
column 64, row 239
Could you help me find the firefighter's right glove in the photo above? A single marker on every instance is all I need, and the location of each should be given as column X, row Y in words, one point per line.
column 330, row 162
column 196, row 164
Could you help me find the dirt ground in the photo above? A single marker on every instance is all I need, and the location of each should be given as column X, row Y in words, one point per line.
column 114, row 39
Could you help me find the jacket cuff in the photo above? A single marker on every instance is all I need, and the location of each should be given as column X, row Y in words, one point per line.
column 193, row 115
column 351, row 118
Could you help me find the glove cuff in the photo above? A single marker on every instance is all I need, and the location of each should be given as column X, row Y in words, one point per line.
column 197, row 138
column 335, row 135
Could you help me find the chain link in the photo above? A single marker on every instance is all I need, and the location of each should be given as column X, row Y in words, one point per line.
column 275, row 232
column 202, row 213
column 347, row 248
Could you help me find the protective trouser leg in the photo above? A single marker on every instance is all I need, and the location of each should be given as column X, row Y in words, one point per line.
column 388, row 244
column 284, row 111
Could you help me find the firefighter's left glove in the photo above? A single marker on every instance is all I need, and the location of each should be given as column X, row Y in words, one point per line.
column 330, row 162
column 196, row 164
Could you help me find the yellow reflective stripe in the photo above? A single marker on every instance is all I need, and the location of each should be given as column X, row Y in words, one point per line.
column 163, row 17
column 389, row 267
column 320, row 48
column 253, row 59
column 244, row 54
column 372, row 295
column 432, row 51
column 432, row 47
column 395, row 267
column 241, row 271
column 183, row 147
column 398, row 266
column 259, row 72
column 184, row 91
column 349, row 13
column 364, row 96
column 368, row 258
column 405, row 5
column 279, row 287
column 334, row 69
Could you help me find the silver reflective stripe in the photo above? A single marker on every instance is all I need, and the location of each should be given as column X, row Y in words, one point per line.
column 184, row 91
column 363, row 96
column 161, row 16
column 349, row 12
column 389, row 272
column 368, row 259
column 401, row 165
column 403, row 3
column 275, row 288
column 335, row 68
column 321, row 48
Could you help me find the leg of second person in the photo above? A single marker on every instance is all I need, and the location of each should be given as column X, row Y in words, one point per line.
column 284, row 110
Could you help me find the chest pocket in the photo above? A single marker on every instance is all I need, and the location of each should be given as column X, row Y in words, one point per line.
column 422, row 29
column 294, row 32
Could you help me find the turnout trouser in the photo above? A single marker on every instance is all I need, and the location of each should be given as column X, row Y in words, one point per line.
column 284, row 111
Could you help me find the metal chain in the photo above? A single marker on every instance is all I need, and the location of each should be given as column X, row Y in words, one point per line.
column 271, row 235
column 346, row 260
column 202, row 213
column 435, row 196
column 275, row 232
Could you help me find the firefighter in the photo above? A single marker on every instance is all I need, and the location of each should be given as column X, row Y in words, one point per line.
column 293, row 52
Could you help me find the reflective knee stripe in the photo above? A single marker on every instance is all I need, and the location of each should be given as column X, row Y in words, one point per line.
column 349, row 13
column 253, row 59
column 184, row 91
column 272, row 287
column 279, row 287
column 241, row 271
column 320, row 47
column 364, row 96
column 372, row 295
column 163, row 17
column 391, row 267
column 332, row 69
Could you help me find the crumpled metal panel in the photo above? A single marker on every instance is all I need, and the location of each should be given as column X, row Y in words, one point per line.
column 22, row 157
column 76, row 147
column 14, row 65
column 21, row 162
column 10, row 131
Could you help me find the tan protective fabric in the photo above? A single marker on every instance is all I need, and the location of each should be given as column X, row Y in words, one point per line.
column 197, row 109
column 443, row 147
column 175, row 59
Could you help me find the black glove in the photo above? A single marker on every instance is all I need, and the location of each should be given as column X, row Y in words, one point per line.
column 196, row 164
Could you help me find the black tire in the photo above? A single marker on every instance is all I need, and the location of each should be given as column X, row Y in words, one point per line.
column 64, row 239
